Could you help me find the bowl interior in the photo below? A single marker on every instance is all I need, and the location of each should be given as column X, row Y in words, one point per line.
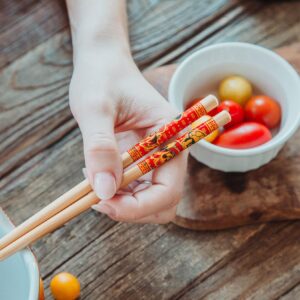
column 201, row 74
column 19, row 277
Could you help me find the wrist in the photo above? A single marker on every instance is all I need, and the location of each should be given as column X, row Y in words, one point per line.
column 100, row 45
column 91, row 35
column 97, row 21
column 102, row 56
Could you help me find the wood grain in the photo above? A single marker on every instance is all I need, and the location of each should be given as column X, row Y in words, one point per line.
column 265, row 276
column 41, row 157
column 39, row 20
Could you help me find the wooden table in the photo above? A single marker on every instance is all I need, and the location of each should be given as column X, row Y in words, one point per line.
column 41, row 157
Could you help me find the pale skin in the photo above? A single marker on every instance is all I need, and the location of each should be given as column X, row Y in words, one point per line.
column 115, row 107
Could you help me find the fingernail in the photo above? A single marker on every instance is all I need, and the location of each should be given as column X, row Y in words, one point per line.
column 105, row 185
column 84, row 173
column 105, row 209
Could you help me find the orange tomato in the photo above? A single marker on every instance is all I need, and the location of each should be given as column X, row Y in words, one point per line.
column 211, row 137
column 65, row 286
column 41, row 290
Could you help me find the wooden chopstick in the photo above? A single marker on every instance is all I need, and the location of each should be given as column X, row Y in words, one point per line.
column 153, row 161
column 136, row 152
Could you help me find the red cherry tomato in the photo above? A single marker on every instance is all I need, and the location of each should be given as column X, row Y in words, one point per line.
column 213, row 112
column 264, row 110
column 236, row 111
column 245, row 135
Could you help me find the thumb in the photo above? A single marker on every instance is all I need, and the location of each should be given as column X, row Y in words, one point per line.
column 102, row 157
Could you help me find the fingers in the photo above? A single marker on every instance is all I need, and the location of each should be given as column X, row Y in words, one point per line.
column 102, row 158
column 163, row 217
column 163, row 194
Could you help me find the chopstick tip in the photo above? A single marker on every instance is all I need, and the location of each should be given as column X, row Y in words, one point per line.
column 222, row 118
column 210, row 102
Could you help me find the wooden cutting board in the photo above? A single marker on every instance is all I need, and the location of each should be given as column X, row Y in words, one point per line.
column 216, row 200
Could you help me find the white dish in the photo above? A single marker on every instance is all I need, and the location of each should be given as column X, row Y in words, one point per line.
column 19, row 274
column 270, row 74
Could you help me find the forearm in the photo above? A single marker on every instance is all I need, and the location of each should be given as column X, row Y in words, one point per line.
column 98, row 24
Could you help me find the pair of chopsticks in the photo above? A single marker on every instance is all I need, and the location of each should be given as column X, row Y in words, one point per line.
column 81, row 197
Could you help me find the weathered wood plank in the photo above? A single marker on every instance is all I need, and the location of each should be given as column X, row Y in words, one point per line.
column 260, row 22
column 32, row 24
column 263, row 268
column 165, row 23
column 11, row 10
column 171, row 23
column 293, row 294
column 164, row 257
column 160, row 27
column 34, row 109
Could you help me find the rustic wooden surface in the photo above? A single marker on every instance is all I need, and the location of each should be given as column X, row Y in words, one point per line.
column 41, row 157
column 270, row 193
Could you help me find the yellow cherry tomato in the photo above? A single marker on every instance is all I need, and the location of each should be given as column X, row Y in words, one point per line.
column 211, row 137
column 41, row 290
column 65, row 286
column 235, row 88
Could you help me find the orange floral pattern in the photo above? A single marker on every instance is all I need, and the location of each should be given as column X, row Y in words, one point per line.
column 171, row 150
column 168, row 131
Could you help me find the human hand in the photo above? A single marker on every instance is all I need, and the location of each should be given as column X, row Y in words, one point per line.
column 115, row 108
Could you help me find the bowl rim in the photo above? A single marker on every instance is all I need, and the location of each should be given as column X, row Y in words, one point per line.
column 282, row 137
column 29, row 260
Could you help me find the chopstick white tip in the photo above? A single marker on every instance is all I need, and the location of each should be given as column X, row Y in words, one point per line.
column 222, row 118
column 210, row 102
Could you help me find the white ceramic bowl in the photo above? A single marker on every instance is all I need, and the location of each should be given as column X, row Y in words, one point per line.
column 19, row 274
column 270, row 74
